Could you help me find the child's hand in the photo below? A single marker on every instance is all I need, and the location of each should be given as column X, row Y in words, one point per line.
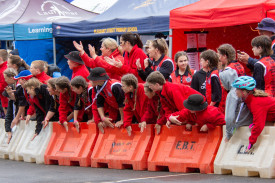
column 101, row 126
column 138, row 64
column 226, row 140
column 174, row 119
column 45, row 123
column 188, row 127
column 34, row 136
column 119, row 124
column 168, row 123
column 158, row 128
column 204, row 128
column 249, row 148
column 142, row 126
column 107, row 122
column 129, row 130
column 28, row 119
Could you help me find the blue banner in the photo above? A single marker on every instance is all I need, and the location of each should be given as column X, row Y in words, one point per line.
column 6, row 32
column 32, row 31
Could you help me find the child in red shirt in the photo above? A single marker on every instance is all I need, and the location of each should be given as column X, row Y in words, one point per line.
column 171, row 95
column 66, row 100
column 135, row 101
column 38, row 70
column 258, row 102
column 198, row 112
column 154, row 113
column 3, row 83
column 183, row 74
column 76, row 64
column 80, row 87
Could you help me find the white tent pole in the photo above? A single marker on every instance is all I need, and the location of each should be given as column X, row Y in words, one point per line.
column 54, row 51
column 170, row 42
column 117, row 39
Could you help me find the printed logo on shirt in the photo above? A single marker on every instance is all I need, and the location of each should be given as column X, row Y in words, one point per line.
column 203, row 86
column 188, row 79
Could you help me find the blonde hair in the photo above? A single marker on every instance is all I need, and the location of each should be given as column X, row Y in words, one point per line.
column 33, row 82
column 259, row 93
column 10, row 72
column 131, row 80
column 39, row 64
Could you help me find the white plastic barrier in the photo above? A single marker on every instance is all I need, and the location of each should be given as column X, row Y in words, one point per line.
column 8, row 150
column 232, row 158
column 33, row 151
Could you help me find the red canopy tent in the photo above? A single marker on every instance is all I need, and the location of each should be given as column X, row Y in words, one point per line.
column 226, row 21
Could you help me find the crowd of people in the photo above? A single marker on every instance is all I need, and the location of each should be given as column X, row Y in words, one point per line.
column 126, row 85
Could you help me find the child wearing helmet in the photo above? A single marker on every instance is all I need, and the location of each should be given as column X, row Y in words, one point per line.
column 258, row 102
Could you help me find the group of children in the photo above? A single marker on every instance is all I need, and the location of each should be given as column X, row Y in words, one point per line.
column 126, row 86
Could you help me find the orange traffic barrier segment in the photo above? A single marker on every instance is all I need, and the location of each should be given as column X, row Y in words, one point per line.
column 116, row 149
column 184, row 151
column 71, row 148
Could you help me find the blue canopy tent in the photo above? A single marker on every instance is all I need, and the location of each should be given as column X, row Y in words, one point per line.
column 138, row 16
column 10, row 12
column 32, row 27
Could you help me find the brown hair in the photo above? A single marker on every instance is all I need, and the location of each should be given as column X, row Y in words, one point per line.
column 156, row 77
column 52, row 82
column 78, row 82
column 161, row 45
column 147, row 88
column 39, row 64
column 131, row 80
column 132, row 38
column 16, row 60
column 228, row 50
column 33, row 82
column 10, row 72
column 178, row 55
column 64, row 83
column 265, row 43
column 4, row 54
column 212, row 57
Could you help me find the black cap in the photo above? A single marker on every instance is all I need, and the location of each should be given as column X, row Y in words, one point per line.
column 98, row 74
column 74, row 56
column 195, row 102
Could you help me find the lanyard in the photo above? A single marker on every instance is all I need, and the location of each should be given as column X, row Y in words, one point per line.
column 97, row 93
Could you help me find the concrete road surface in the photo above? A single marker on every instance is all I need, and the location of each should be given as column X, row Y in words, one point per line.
column 21, row 172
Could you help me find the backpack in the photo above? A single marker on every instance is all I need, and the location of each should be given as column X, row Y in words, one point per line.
column 54, row 71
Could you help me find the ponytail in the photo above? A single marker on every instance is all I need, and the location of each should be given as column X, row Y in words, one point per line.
column 133, row 39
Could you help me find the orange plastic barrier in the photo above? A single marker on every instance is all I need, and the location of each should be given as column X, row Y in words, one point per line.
column 184, row 151
column 71, row 148
column 115, row 149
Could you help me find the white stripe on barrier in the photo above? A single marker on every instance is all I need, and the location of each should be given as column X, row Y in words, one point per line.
column 8, row 150
column 33, row 151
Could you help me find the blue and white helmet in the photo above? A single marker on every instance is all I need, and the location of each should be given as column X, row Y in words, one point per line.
column 244, row 82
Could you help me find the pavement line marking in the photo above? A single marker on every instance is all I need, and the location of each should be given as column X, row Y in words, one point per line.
column 126, row 180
